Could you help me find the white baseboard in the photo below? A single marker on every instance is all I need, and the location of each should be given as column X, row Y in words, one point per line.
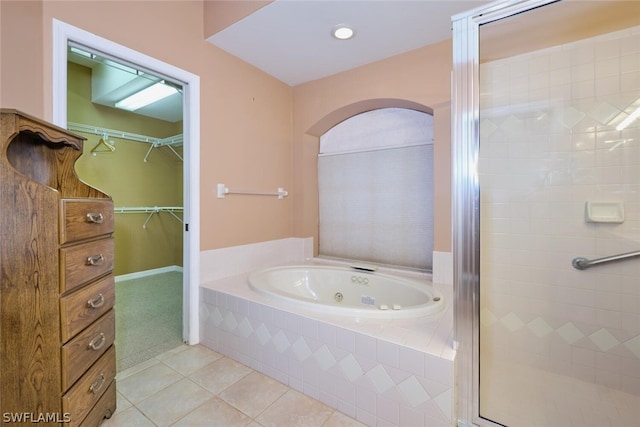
column 145, row 273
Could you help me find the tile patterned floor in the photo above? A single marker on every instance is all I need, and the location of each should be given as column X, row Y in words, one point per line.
column 195, row 386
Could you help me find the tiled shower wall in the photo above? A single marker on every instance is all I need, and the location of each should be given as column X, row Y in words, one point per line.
column 549, row 144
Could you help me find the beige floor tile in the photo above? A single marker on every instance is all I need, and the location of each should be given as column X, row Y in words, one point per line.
column 137, row 368
column 174, row 402
column 214, row 412
column 156, row 393
column 220, row 374
column 262, row 389
column 121, row 402
column 139, row 386
column 130, row 417
column 295, row 409
column 190, row 360
column 172, row 352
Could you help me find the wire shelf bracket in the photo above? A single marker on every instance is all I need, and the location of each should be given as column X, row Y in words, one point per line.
column 152, row 210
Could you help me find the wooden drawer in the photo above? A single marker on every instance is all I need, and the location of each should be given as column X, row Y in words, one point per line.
column 80, row 353
column 82, row 307
column 85, row 218
column 105, row 407
column 82, row 397
column 83, row 263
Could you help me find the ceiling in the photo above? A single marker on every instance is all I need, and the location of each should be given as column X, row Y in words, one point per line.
column 291, row 39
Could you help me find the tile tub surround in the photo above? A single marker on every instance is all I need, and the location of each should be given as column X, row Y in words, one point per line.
column 225, row 262
column 395, row 372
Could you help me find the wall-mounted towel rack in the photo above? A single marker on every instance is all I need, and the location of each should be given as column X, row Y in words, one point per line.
column 223, row 191
column 169, row 142
column 151, row 210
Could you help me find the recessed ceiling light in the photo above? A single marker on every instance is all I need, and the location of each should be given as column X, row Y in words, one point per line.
column 343, row 32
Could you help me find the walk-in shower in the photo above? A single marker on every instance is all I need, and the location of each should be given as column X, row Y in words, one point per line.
column 546, row 172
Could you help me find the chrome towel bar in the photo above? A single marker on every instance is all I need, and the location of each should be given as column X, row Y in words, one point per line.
column 581, row 263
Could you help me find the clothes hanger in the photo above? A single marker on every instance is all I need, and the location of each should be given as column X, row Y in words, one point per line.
column 103, row 146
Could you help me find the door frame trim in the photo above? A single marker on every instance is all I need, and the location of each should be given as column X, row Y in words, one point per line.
column 62, row 34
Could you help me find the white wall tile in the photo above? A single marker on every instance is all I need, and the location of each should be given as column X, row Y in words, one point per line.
column 346, row 340
column 592, row 312
column 219, row 263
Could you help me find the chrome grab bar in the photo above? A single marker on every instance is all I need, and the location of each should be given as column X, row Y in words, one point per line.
column 581, row 263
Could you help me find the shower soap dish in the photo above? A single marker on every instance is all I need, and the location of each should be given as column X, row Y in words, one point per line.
column 611, row 212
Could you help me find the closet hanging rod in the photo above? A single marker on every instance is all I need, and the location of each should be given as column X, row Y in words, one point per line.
column 223, row 191
column 146, row 209
column 158, row 142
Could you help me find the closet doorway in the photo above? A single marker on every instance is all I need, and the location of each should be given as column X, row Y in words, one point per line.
column 148, row 163
column 132, row 120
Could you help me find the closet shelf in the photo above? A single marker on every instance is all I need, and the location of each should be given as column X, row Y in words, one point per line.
column 168, row 142
column 151, row 210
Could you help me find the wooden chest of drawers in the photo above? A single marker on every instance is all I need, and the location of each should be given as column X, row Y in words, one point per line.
column 57, row 296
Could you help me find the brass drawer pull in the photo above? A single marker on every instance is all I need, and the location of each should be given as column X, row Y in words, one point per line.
column 95, row 217
column 96, row 302
column 97, row 342
column 97, row 384
column 95, row 259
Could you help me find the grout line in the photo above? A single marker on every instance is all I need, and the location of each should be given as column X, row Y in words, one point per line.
column 160, row 360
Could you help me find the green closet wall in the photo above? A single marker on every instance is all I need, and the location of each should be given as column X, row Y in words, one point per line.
column 129, row 180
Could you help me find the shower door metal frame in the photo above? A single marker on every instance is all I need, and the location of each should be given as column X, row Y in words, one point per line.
column 466, row 199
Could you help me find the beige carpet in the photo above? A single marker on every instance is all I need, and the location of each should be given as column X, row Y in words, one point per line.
column 148, row 317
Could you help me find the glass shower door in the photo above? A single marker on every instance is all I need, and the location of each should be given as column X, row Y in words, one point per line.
column 558, row 178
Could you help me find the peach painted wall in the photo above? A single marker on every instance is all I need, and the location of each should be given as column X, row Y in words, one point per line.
column 417, row 79
column 21, row 61
column 248, row 119
column 245, row 114
column 219, row 14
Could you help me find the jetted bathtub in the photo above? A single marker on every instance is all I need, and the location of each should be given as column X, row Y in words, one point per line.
column 348, row 291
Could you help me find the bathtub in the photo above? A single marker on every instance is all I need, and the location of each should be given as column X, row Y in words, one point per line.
column 348, row 291
column 381, row 371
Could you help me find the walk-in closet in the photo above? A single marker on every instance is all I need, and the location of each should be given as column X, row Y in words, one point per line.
column 133, row 152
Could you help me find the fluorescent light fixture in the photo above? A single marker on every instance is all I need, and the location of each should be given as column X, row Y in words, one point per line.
column 343, row 32
column 81, row 52
column 630, row 119
column 147, row 96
